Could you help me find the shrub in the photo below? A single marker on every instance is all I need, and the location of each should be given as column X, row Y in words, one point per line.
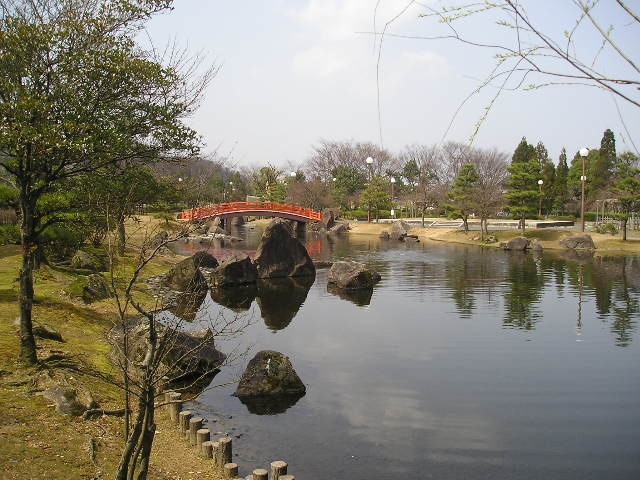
column 607, row 228
column 9, row 234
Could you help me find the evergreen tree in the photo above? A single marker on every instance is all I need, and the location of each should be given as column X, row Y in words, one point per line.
column 522, row 191
column 601, row 168
column 560, row 193
column 542, row 154
column 626, row 187
column 464, row 192
column 376, row 195
column 548, row 187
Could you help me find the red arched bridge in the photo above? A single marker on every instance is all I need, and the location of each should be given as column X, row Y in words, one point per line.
column 254, row 209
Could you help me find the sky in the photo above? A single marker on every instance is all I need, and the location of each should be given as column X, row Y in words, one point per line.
column 294, row 72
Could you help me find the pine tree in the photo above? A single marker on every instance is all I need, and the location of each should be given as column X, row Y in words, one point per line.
column 522, row 190
column 560, row 193
column 601, row 168
column 464, row 193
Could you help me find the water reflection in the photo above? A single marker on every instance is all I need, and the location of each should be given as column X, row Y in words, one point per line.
column 280, row 299
column 421, row 373
column 237, row 298
column 270, row 404
column 524, row 284
column 187, row 304
column 361, row 297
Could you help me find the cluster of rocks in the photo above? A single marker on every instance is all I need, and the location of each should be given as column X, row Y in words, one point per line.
column 399, row 232
column 575, row 242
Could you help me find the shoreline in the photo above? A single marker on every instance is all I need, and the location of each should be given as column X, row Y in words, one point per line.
column 548, row 237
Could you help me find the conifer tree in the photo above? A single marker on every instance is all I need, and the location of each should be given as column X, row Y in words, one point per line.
column 523, row 193
column 560, row 194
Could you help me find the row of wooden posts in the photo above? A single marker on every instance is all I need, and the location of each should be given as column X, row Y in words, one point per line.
column 219, row 451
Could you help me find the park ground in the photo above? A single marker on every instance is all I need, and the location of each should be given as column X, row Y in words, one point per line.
column 36, row 442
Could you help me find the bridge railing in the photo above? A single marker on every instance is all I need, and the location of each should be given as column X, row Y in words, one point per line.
column 197, row 213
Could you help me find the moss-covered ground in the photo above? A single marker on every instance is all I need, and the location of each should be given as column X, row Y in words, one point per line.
column 35, row 441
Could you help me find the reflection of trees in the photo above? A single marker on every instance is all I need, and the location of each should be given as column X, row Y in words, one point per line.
column 461, row 277
column 625, row 302
column 468, row 275
column 526, row 282
column 614, row 283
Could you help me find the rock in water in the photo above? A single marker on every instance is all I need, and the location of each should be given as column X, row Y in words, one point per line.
column 186, row 275
column 280, row 254
column 352, row 275
column 269, row 373
column 234, row 270
column 517, row 243
column 399, row 230
column 578, row 242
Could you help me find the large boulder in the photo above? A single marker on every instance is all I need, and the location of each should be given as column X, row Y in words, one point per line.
column 65, row 399
column 350, row 275
column 96, row 288
column 339, row 229
column 188, row 355
column 235, row 270
column 517, row 243
column 186, row 275
column 582, row 242
column 86, row 261
column 269, row 373
column 280, row 254
column 399, row 230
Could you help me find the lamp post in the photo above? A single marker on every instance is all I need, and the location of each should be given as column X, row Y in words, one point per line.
column 393, row 182
column 540, row 182
column 369, row 161
column 584, row 152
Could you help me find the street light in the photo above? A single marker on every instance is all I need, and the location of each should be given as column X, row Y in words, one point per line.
column 540, row 182
column 393, row 182
column 584, row 152
column 369, row 161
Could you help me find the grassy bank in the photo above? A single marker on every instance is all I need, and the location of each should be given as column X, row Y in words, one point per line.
column 36, row 442
column 548, row 238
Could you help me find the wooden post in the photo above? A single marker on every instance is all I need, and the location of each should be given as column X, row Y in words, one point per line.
column 202, row 435
column 230, row 470
column 224, row 452
column 183, row 420
column 195, row 424
column 175, row 406
column 207, row 449
column 260, row 474
column 278, row 468
column 215, row 448
column 287, row 477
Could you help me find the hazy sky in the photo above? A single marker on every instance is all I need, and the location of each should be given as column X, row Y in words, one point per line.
column 293, row 72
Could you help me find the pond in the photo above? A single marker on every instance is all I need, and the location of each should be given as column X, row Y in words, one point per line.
column 464, row 363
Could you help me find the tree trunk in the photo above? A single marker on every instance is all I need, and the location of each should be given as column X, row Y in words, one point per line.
column 623, row 227
column 29, row 247
column 465, row 222
column 122, row 238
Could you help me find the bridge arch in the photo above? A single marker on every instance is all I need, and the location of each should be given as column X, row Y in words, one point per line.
column 257, row 209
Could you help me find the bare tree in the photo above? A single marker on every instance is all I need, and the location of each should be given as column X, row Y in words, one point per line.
column 423, row 173
column 329, row 155
column 155, row 352
column 595, row 48
column 491, row 166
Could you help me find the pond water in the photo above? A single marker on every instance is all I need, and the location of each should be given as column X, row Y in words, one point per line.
column 464, row 363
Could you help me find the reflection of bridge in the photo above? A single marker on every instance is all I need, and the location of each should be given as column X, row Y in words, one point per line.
column 254, row 209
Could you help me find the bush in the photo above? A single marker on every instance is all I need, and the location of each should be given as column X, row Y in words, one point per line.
column 609, row 228
column 9, row 235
